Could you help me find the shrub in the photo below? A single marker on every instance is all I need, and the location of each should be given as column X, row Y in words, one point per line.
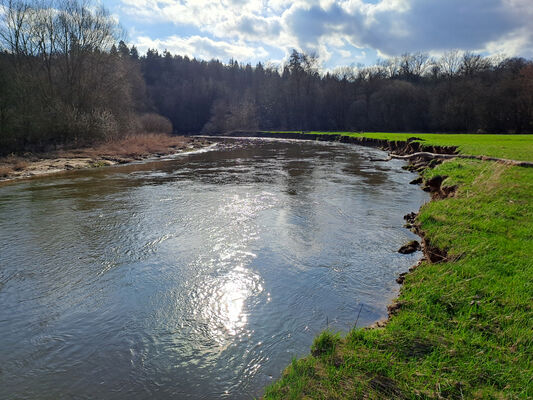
column 155, row 123
column 104, row 124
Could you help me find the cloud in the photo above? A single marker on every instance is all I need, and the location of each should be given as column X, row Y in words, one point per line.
column 202, row 48
column 334, row 28
column 394, row 26
column 251, row 28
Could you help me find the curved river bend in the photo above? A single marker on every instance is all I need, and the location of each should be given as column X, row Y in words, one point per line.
column 197, row 277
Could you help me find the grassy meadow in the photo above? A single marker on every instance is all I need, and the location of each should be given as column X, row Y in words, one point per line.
column 463, row 328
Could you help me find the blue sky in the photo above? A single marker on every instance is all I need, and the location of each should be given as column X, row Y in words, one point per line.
column 344, row 32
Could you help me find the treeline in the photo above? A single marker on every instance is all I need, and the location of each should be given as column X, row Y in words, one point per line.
column 66, row 77
column 459, row 92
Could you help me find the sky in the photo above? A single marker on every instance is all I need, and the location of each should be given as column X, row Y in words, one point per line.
column 341, row 33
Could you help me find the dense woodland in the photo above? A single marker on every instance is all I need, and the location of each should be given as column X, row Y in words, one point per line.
column 66, row 77
column 459, row 92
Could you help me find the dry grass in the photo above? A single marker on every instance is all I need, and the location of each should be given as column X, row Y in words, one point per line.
column 10, row 164
column 132, row 146
column 491, row 176
column 5, row 171
column 20, row 165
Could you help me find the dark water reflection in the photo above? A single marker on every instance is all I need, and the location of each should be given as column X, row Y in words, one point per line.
column 197, row 277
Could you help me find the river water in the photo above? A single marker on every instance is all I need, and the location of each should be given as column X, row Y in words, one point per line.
column 196, row 277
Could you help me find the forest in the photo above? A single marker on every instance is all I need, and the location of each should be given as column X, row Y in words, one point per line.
column 67, row 77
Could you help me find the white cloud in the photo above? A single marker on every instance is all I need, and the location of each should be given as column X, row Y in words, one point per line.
column 251, row 27
column 202, row 48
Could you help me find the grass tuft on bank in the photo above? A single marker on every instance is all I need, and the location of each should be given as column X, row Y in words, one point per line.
column 463, row 329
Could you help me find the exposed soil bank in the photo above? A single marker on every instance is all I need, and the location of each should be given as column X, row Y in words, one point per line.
column 135, row 148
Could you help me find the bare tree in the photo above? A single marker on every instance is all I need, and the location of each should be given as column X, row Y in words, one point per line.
column 391, row 67
column 414, row 65
column 69, row 85
column 449, row 63
column 473, row 63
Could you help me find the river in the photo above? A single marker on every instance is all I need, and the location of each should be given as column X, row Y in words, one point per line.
column 197, row 277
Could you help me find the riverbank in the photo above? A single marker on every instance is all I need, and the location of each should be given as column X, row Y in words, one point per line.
column 461, row 327
column 129, row 149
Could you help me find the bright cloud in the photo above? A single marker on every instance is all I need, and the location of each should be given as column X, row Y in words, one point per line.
column 202, row 48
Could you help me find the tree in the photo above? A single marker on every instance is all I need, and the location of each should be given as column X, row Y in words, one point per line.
column 70, row 84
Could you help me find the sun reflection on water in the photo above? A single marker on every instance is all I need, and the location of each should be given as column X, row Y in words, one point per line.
column 227, row 304
column 219, row 298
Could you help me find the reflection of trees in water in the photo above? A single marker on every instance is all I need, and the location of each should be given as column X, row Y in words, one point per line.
column 299, row 208
column 297, row 167
column 355, row 165
column 106, row 211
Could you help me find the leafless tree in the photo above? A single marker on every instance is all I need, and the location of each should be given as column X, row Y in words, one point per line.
column 449, row 63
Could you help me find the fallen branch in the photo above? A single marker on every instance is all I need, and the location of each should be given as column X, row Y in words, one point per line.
column 429, row 156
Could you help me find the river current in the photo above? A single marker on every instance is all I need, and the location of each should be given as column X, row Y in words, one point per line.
column 196, row 277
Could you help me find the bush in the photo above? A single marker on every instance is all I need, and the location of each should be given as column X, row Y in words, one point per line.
column 104, row 125
column 155, row 123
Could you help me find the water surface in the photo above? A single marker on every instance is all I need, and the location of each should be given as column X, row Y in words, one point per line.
column 197, row 277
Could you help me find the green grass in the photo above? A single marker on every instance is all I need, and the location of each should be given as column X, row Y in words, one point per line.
column 464, row 328
column 517, row 147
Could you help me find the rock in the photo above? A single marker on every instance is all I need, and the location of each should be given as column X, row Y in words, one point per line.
column 395, row 307
column 410, row 218
column 416, row 181
column 410, row 247
column 401, row 278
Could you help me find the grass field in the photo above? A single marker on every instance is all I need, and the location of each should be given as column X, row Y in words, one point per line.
column 464, row 327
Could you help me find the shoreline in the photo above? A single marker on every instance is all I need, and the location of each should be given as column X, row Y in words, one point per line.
column 125, row 151
column 460, row 325
column 405, row 147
